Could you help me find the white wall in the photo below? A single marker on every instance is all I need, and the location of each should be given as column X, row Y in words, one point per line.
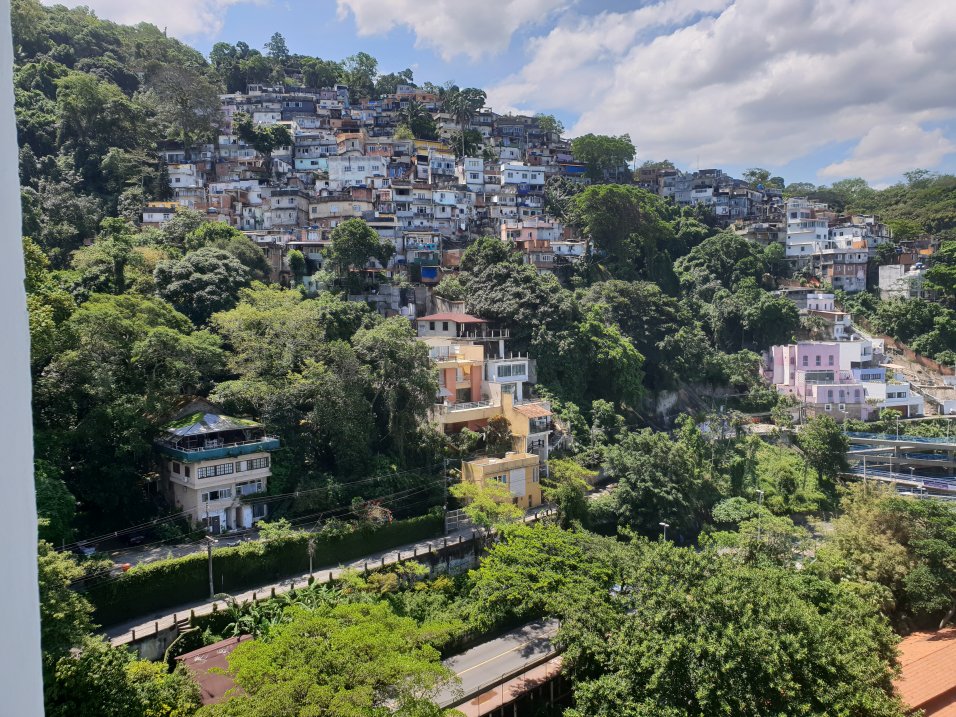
column 21, row 683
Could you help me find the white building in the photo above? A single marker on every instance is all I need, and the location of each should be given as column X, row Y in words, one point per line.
column 210, row 462
column 354, row 170
column 517, row 173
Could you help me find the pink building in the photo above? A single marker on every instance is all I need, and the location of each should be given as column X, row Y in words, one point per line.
column 810, row 371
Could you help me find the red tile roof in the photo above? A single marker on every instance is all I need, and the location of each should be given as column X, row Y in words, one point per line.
column 457, row 318
column 928, row 681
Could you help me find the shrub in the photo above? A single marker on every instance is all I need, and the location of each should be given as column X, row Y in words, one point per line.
column 167, row 584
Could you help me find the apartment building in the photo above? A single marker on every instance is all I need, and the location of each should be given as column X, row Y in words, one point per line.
column 210, row 464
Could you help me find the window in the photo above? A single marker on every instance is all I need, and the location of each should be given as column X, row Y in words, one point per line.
column 175, row 468
column 249, row 487
column 259, row 510
column 856, row 394
column 534, row 475
column 444, row 326
column 218, row 470
column 828, row 407
column 221, row 494
column 806, row 361
column 816, row 360
column 431, row 325
column 842, row 406
column 829, row 394
column 186, row 469
column 507, row 370
column 830, row 360
column 252, row 464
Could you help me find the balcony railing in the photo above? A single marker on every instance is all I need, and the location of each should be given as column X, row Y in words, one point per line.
column 452, row 407
column 187, row 455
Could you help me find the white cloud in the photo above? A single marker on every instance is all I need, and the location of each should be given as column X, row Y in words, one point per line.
column 752, row 81
column 451, row 27
column 887, row 151
column 180, row 18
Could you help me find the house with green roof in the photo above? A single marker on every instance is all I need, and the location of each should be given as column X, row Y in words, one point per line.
column 214, row 467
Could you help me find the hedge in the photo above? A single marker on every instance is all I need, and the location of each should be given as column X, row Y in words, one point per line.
column 166, row 584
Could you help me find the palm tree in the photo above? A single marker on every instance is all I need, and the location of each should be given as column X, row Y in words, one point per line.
column 412, row 112
column 462, row 105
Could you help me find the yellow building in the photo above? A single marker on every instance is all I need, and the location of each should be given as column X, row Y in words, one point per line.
column 519, row 471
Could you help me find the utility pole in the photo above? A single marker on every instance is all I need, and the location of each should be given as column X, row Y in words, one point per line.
column 209, row 542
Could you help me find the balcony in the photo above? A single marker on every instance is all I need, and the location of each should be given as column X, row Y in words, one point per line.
column 212, row 451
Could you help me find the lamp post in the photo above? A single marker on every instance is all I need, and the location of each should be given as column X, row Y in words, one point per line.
column 665, row 526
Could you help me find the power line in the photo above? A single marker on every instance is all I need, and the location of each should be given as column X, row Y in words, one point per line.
column 263, row 499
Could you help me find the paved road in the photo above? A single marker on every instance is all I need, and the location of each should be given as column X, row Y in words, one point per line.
column 490, row 662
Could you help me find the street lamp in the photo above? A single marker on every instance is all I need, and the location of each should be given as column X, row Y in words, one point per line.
column 665, row 526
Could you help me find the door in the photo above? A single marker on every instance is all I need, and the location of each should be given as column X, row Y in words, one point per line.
column 213, row 524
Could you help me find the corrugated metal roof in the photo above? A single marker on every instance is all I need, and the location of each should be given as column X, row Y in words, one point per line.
column 197, row 424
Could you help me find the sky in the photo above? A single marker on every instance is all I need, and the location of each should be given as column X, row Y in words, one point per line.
column 813, row 90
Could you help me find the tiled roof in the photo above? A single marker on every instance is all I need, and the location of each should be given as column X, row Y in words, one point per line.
column 928, row 660
column 533, row 410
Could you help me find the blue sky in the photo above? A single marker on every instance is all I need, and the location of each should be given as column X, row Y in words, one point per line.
column 815, row 90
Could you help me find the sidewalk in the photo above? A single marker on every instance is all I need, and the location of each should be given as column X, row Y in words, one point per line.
column 127, row 632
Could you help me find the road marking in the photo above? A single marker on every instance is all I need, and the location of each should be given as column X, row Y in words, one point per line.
column 502, row 654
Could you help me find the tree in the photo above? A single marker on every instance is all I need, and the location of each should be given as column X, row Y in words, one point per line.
column 189, row 104
column 629, row 232
column 606, row 156
column 419, row 120
column 756, row 176
column 648, row 317
column 467, row 145
column 120, row 363
column 348, row 659
column 64, row 612
column 463, row 105
column 825, row 445
column 320, row 73
column 902, row 546
column 659, row 480
column 264, row 139
column 540, row 570
column 296, row 261
column 359, row 72
column 201, row 283
column 353, row 245
column 497, row 434
column 277, row 49
column 489, row 505
column 550, row 124
column 105, row 681
column 56, row 506
column 219, row 235
column 388, row 84
column 565, row 485
column 401, row 376
column 662, row 644
column 942, row 273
